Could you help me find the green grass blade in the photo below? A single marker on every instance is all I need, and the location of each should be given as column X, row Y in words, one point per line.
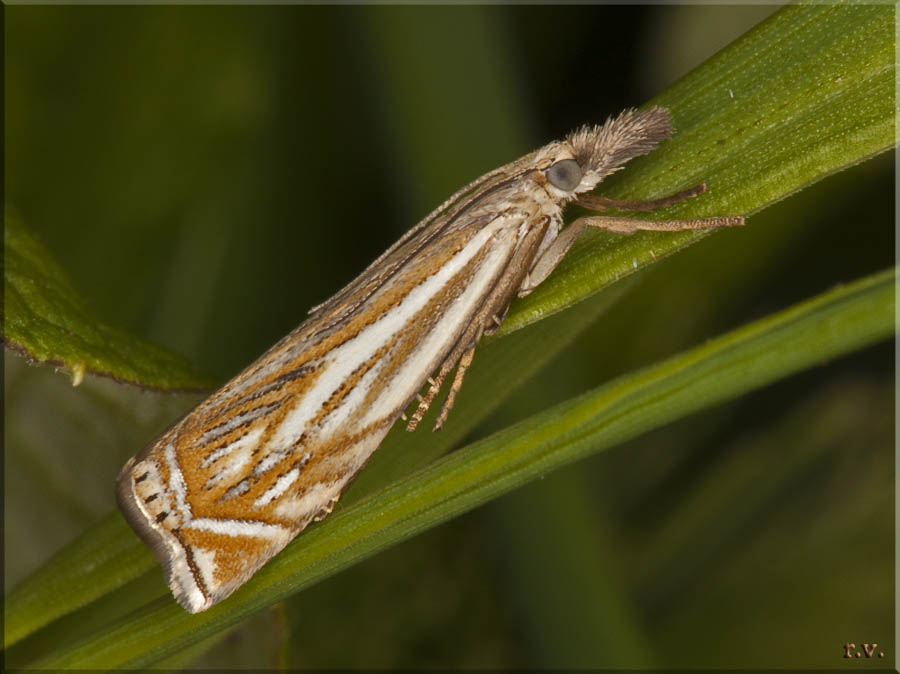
column 837, row 322
column 107, row 556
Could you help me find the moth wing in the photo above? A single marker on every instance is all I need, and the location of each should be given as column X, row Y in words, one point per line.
column 423, row 233
column 239, row 477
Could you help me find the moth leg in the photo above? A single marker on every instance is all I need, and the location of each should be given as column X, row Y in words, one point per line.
column 630, row 225
column 326, row 511
column 596, row 203
column 426, row 400
column 486, row 320
column 462, row 353
column 464, row 362
column 495, row 321
column 620, row 225
column 551, row 257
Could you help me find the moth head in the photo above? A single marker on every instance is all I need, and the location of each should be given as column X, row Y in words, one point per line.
column 591, row 153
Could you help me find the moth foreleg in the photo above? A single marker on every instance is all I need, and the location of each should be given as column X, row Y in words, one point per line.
column 551, row 257
column 597, row 203
column 619, row 225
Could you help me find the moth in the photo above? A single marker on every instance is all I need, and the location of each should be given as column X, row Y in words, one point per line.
column 235, row 480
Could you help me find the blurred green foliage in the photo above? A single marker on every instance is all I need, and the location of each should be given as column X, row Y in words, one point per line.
column 47, row 321
column 206, row 175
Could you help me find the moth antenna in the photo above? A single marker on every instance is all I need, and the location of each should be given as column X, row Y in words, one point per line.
column 604, row 149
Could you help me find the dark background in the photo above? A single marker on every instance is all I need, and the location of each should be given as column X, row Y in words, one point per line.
column 208, row 174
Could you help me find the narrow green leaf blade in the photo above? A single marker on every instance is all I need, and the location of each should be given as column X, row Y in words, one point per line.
column 107, row 556
column 842, row 320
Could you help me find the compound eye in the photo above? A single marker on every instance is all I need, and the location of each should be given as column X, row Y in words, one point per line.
column 565, row 174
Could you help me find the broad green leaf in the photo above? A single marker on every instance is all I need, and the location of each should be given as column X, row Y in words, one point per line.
column 47, row 321
column 836, row 322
